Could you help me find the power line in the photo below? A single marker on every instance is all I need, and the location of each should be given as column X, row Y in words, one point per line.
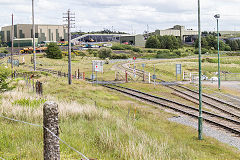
column 37, row 125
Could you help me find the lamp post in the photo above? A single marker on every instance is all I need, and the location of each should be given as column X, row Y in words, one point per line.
column 217, row 16
column 200, row 119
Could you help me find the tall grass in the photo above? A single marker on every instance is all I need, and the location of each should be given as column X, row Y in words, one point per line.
column 104, row 130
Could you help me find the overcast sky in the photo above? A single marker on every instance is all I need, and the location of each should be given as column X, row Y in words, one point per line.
column 131, row 16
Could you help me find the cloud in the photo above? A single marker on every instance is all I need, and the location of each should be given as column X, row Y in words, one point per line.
column 125, row 15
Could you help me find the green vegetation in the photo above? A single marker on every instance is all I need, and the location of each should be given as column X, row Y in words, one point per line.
column 163, row 42
column 104, row 53
column 119, row 56
column 53, row 51
column 4, row 82
column 210, row 42
column 233, row 44
column 29, row 102
column 121, row 47
column 166, row 68
column 105, row 130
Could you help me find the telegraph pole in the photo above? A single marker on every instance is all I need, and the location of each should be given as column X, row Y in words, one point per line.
column 200, row 118
column 33, row 34
column 12, row 35
column 70, row 17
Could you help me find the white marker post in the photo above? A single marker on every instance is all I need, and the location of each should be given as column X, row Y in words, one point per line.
column 134, row 70
column 96, row 70
column 149, row 78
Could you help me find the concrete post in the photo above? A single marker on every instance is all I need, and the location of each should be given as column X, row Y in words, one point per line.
column 50, row 121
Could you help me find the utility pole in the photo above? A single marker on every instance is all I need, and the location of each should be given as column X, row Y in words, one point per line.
column 200, row 118
column 217, row 16
column 12, row 35
column 70, row 17
column 33, row 33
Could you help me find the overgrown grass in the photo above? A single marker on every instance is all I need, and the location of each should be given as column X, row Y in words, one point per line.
column 102, row 130
column 29, row 103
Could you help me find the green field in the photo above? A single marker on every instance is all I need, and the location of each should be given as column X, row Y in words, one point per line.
column 95, row 121
column 165, row 69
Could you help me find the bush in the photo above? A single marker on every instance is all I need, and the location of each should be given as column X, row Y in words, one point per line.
column 53, row 51
column 211, row 60
column 119, row 56
column 5, row 51
column 4, row 74
column 203, row 51
column 91, row 51
column 152, row 42
column 117, row 47
column 227, row 48
column 163, row 52
column 168, row 54
column 121, row 47
column 127, row 47
column 135, row 49
column 80, row 53
column 150, row 51
column 104, row 53
column 177, row 52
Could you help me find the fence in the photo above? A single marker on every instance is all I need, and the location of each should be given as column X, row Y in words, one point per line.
column 77, row 75
column 230, row 76
column 30, row 82
column 51, row 132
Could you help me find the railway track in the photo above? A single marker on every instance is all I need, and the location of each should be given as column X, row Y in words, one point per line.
column 214, row 104
column 215, row 119
column 225, row 122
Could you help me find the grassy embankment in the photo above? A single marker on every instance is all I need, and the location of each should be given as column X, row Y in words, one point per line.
column 165, row 69
column 104, row 130
column 84, row 64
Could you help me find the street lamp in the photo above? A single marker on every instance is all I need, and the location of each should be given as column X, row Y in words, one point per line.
column 217, row 16
column 200, row 118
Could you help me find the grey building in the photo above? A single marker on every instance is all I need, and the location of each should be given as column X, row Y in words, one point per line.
column 177, row 31
column 136, row 40
column 43, row 32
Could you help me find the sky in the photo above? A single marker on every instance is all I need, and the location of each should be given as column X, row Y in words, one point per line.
column 132, row 16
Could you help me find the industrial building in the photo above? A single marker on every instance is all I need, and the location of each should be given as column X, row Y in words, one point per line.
column 43, row 32
column 136, row 40
column 177, row 31
column 97, row 38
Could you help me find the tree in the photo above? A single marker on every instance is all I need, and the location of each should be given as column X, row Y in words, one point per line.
column 104, row 53
column 152, row 42
column 53, row 51
column 234, row 45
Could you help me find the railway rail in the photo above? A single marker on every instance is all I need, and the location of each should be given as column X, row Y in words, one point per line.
column 224, row 122
column 213, row 103
column 215, row 119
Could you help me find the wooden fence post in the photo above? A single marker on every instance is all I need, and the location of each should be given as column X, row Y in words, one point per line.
column 83, row 75
column 126, row 77
column 50, row 123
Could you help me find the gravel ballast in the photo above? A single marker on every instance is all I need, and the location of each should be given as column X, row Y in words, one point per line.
column 210, row 131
